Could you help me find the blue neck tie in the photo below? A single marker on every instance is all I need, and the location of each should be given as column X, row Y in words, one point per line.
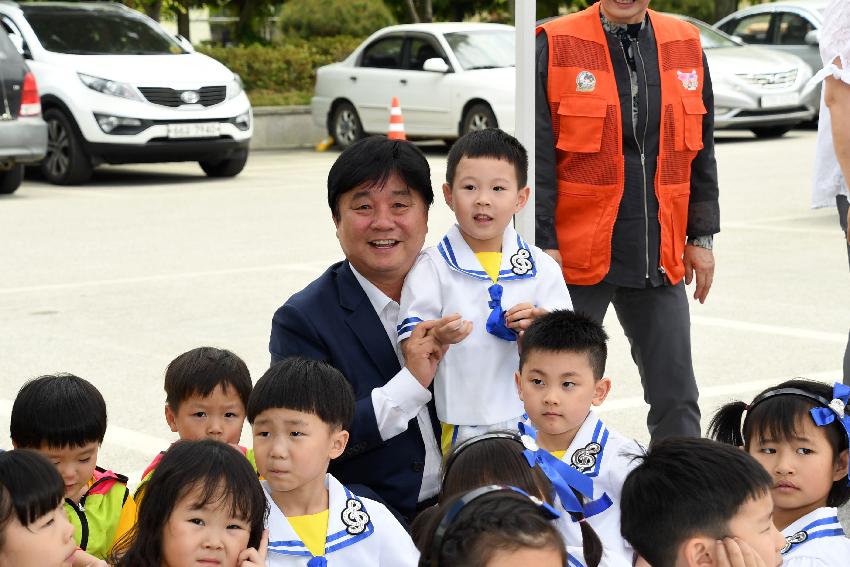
column 496, row 321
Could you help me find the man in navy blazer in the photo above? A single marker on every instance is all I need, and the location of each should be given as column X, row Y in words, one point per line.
column 379, row 191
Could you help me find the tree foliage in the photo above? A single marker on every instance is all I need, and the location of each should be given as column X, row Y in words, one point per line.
column 301, row 18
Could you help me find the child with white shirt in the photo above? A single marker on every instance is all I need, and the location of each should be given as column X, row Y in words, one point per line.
column 561, row 377
column 487, row 281
column 299, row 412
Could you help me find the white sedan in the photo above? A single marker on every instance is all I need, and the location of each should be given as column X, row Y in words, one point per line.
column 450, row 78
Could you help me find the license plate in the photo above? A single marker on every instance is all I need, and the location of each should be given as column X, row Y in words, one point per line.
column 777, row 100
column 202, row 130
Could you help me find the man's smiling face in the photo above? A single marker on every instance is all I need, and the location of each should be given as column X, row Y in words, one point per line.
column 382, row 229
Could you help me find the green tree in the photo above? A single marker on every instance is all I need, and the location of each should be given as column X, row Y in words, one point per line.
column 350, row 17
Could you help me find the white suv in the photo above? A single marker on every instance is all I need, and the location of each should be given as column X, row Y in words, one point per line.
column 117, row 88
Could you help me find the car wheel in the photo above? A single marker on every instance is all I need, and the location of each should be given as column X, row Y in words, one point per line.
column 10, row 180
column 345, row 125
column 771, row 131
column 66, row 162
column 479, row 117
column 229, row 167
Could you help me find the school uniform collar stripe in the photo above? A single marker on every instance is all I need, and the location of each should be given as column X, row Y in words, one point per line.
column 407, row 325
column 453, row 245
column 600, row 436
column 822, row 522
column 573, row 562
column 836, row 532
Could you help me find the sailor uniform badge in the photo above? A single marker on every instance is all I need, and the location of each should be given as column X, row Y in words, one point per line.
column 585, row 82
column 689, row 80
column 795, row 539
column 585, row 459
column 354, row 517
column 521, row 262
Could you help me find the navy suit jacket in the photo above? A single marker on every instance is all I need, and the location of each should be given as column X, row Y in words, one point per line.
column 333, row 320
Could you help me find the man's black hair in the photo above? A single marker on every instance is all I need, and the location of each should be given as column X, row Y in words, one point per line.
column 489, row 143
column 200, row 371
column 305, row 385
column 371, row 161
column 686, row 488
column 59, row 410
column 567, row 331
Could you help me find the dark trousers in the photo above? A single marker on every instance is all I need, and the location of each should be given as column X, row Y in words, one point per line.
column 657, row 323
column 843, row 205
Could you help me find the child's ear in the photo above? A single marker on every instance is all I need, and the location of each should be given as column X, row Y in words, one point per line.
column 600, row 391
column 840, row 469
column 339, row 439
column 518, row 382
column 170, row 418
column 447, row 195
column 522, row 197
column 697, row 552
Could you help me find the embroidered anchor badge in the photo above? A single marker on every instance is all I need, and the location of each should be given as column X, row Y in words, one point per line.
column 521, row 262
column 792, row 540
column 585, row 459
column 355, row 517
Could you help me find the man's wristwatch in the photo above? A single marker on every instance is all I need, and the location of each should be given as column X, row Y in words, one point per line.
column 706, row 242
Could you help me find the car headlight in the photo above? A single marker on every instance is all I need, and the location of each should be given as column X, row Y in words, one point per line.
column 108, row 87
column 235, row 86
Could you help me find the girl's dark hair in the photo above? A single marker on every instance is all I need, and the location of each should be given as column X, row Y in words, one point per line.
column 30, row 487
column 777, row 417
column 501, row 520
column 497, row 458
column 58, row 410
column 220, row 474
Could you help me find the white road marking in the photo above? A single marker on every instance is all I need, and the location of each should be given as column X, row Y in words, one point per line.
column 770, row 329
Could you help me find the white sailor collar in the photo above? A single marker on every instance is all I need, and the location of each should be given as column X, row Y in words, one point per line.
column 817, row 524
column 586, row 451
column 517, row 259
column 348, row 522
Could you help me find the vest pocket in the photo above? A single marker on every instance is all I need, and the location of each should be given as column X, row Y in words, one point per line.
column 577, row 218
column 694, row 111
column 581, row 119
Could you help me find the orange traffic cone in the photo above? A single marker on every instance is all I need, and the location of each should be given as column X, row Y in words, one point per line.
column 396, row 131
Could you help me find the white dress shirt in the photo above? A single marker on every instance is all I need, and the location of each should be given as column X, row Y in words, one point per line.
column 403, row 397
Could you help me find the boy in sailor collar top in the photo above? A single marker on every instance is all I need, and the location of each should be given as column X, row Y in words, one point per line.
column 560, row 378
column 487, row 280
column 299, row 412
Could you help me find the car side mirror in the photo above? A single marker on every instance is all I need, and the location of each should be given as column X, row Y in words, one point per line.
column 184, row 43
column 435, row 65
column 813, row 38
column 737, row 39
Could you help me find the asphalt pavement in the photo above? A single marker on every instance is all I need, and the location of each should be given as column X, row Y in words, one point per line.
column 113, row 279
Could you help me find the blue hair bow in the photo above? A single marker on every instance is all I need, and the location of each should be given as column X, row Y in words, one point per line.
column 496, row 320
column 563, row 477
column 837, row 410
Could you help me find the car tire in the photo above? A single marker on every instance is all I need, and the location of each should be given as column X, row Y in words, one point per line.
column 229, row 167
column 11, row 179
column 66, row 162
column 771, row 131
column 478, row 117
column 346, row 127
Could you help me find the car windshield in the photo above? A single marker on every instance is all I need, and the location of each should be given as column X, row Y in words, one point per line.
column 90, row 32
column 483, row 49
column 710, row 37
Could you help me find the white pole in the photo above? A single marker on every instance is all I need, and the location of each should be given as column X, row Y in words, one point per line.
column 524, row 17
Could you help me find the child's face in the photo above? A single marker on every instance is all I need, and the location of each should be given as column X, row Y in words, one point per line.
column 75, row 465
column 46, row 542
column 803, row 468
column 557, row 389
column 197, row 536
column 218, row 416
column 293, row 448
column 754, row 525
column 484, row 197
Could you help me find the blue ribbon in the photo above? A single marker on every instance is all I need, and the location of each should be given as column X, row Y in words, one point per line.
column 319, row 561
column 565, row 479
column 826, row 415
column 496, row 321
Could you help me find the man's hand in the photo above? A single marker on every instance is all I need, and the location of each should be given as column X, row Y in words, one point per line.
column 701, row 261
column 423, row 352
column 733, row 552
column 453, row 331
column 253, row 558
column 556, row 254
column 521, row 316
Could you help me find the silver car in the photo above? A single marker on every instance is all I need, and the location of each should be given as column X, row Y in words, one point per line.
column 755, row 88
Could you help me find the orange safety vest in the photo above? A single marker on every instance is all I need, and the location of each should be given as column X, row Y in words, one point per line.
column 586, row 122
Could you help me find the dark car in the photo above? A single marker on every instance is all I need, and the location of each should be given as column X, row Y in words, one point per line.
column 23, row 133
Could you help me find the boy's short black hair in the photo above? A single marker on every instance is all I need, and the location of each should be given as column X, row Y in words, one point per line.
column 686, row 488
column 567, row 331
column 58, row 410
column 489, row 143
column 30, row 487
column 371, row 161
column 200, row 371
column 305, row 385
